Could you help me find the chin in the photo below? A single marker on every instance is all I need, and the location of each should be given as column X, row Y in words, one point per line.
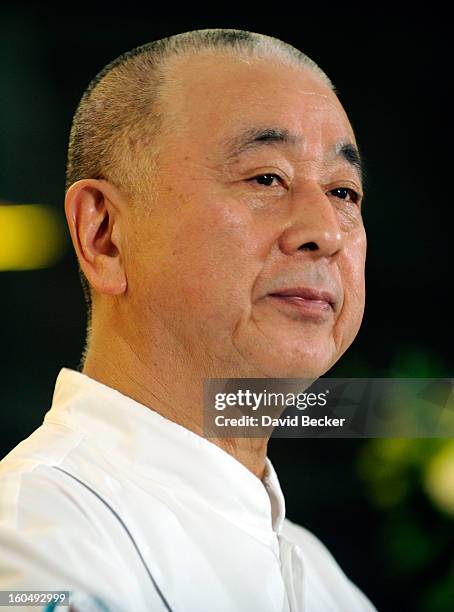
column 310, row 365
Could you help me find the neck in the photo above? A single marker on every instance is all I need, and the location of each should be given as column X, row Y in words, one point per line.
column 166, row 384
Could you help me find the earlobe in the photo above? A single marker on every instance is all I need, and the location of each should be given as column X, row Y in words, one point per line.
column 92, row 209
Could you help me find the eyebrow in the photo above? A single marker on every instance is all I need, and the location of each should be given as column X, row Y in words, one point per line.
column 254, row 138
column 350, row 153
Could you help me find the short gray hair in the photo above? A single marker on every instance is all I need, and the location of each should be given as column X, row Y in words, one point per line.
column 118, row 117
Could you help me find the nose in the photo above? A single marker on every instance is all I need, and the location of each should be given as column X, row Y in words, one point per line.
column 314, row 226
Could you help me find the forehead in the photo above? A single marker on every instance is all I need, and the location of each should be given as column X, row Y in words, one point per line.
column 210, row 97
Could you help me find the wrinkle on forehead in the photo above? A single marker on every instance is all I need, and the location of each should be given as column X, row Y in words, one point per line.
column 314, row 93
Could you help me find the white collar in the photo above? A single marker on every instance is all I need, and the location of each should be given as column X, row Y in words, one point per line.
column 159, row 450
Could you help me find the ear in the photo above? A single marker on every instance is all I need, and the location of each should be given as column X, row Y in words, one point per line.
column 94, row 210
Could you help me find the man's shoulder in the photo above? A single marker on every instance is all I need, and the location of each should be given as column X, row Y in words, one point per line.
column 49, row 444
column 51, row 523
column 36, row 487
column 323, row 569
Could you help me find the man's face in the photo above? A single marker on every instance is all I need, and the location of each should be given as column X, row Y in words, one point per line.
column 254, row 196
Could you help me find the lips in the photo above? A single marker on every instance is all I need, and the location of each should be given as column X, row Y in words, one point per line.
column 307, row 295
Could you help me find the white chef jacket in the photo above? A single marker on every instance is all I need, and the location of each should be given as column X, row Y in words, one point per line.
column 113, row 502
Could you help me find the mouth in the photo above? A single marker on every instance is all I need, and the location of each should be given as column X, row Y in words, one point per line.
column 308, row 303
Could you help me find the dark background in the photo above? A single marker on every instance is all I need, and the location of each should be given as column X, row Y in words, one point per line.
column 366, row 500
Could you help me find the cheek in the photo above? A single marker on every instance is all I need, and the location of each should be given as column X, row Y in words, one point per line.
column 210, row 257
column 352, row 274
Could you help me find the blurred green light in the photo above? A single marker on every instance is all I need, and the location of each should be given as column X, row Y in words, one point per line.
column 439, row 478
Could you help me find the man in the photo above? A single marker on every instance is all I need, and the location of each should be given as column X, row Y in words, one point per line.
column 214, row 203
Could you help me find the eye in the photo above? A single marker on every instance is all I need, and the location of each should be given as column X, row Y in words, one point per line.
column 266, row 179
column 343, row 193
